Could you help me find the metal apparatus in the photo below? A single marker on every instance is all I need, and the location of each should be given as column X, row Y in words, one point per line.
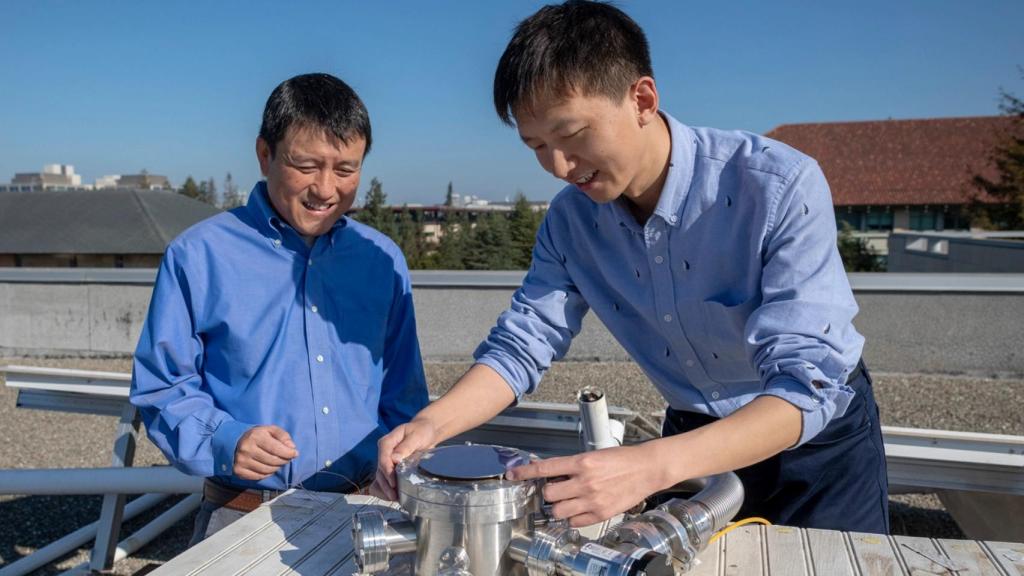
column 466, row 519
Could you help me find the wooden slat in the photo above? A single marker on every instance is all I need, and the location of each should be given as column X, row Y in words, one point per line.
column 786, row 553
column 970, row 556
column 921, row 556
column 1009, row 556
column 743, row 552
column 874, row 554
column 829, row 553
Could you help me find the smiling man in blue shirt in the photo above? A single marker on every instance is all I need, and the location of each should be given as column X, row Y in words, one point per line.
column 711, row 257
column 281, row 342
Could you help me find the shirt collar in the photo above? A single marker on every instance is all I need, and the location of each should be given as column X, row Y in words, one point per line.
column 680, row 172
column 272, row 224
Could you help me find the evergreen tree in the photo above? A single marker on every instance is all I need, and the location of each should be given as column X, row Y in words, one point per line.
column 856, row 254
column 1007, row 213
column 190, row 188
column 452, row 245
column 410, row 240
column 523, row 225
column 375, row 211
column 448, row 200
column 232, row 197
column 489, row 243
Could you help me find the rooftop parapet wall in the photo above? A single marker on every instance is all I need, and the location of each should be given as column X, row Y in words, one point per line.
column 930, row 323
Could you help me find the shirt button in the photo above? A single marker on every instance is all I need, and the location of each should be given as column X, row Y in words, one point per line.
column 667, row 317
column 310, row 262
column 689, row 363
column 325, row 410
column 673, row 219
column 327, row 463
column 319, row 357
column 277, row 242
column 224, row 467
column 659, row 259
column 314, row 309
column 714, row 395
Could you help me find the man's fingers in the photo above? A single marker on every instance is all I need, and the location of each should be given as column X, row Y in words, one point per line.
column 563, row 466
column 267, row 459
column 271, row 444
column 563, row 490
column 281, row 435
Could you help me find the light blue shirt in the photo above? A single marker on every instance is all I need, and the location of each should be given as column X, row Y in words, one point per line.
column 731, row 290
column 249, row 326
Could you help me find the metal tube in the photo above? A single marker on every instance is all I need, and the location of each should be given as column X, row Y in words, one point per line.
column 58, row 548
column 597, row 428
column 147, row 533
column 80, row 481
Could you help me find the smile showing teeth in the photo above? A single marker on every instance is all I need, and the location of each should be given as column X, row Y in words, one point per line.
column 316, row 207
column 587, row 177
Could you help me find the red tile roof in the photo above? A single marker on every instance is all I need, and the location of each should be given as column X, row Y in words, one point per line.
column 900, row 162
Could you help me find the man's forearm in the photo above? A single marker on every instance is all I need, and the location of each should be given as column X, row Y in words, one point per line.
column 477, row 397
column 758, row 431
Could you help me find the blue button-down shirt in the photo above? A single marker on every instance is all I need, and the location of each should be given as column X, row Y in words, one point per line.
column 732, row 289
column 250, row 326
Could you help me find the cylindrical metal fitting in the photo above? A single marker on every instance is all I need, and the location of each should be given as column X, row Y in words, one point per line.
column 375, row 540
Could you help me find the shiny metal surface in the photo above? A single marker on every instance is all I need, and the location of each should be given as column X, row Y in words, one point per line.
column 452, row 508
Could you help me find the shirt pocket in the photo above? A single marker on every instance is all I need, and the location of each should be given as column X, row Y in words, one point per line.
column 720, row 342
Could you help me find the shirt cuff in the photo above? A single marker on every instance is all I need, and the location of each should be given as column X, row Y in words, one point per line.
column 817, row 406
column 225, row 440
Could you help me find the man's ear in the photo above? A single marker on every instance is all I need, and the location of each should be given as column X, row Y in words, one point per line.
column 645, row 98
column 264, row 155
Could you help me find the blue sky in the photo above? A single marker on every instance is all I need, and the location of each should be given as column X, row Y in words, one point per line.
column 178, row 87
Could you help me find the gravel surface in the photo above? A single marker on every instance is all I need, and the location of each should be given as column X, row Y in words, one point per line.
column 40, row 439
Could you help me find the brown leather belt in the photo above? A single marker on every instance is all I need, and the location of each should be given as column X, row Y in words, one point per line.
column 237, row 498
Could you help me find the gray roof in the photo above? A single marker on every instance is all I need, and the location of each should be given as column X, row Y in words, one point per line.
column 95, row 222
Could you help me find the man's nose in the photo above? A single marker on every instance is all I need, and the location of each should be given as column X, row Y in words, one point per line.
column 561, row 166
column 325, row 184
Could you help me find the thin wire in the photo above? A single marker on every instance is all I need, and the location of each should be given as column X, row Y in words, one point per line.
column 736, row 525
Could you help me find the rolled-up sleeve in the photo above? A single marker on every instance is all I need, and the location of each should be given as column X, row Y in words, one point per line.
column 167, row 384
column 545, row 315
column 802, row 337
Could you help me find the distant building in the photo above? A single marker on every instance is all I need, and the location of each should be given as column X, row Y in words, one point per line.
column 107, row 181
column 431, row 218
column 959, row 252
column 143, row 181
column 901, row 174
column 102, row 229
column 53, row 177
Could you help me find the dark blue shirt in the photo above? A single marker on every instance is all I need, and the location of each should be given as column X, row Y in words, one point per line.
column 250, row 326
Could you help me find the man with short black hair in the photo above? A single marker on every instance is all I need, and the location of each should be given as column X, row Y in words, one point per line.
column 281, row 342
column 711, row 257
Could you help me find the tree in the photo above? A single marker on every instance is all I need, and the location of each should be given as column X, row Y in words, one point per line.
column 856, row 254
column 452, row 244
column 1007, row 189
column 231, row 198
column 410, row 239
column 448, row 200
column 489, row 244
column 523, row 224
column 375, row 211
column 196, row 192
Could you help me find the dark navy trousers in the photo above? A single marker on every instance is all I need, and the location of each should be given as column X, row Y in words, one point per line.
column 836, row 481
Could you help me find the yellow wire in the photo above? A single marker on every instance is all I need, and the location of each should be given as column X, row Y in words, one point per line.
column 735, row 525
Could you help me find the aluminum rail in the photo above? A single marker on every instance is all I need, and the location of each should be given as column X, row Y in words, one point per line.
column 147, row 533
column 80, row 481
column 511, row 279
column 69, row 542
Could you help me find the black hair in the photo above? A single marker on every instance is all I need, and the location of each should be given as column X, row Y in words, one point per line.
column 591, row 47
column 318, row 101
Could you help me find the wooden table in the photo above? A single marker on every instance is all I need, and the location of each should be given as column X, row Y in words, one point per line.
column 310, row 534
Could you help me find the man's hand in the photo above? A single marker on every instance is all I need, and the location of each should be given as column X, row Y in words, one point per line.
column 599, row 484
column 419, row 434
column 261, row 451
